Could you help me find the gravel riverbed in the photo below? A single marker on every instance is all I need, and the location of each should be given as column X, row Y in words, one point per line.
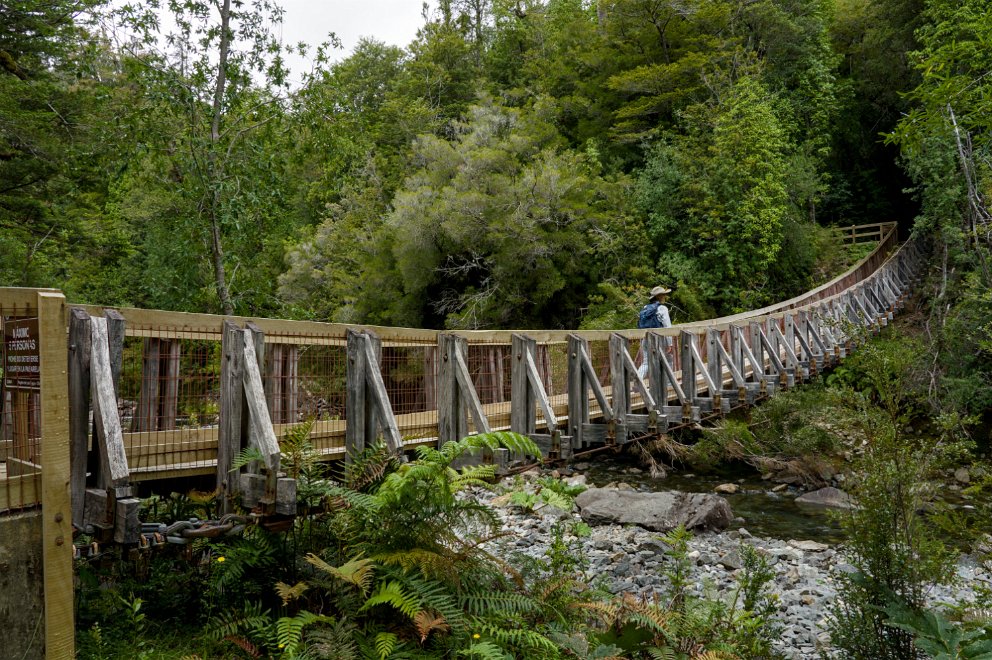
column 631, row 559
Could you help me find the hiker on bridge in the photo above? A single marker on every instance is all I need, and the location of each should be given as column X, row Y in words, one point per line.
column 654, row 315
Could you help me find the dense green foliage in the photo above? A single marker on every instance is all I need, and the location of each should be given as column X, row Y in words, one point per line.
column 531, row 163
column 393, row 561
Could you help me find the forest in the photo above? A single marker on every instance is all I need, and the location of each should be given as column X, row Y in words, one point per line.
column 533, row 164
column 519, row 164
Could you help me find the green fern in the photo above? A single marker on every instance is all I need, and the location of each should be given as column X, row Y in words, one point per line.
column 385, row 644
column 233, row 622
column 392, row 594
column 490, row 604
column 526, row 640
column 436, row 596
column 357, row 571
column 484, row 651
column 247, row 456
column 333, row 642
column 289, row 630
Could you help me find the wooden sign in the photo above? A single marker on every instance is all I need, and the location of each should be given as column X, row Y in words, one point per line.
column 21, row 357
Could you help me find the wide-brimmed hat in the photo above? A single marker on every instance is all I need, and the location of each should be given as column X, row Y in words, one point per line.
column 659, row 290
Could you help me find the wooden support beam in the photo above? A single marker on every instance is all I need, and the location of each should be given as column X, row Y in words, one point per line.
column 451, row 417
column 578, row 389
column 115, row 343
column 620, row 386
column 373, row 363
column 229, row 432
column 56, row 511
column 537, row 387
column 113, row 459
column 765, row 348
column 638, row 382
column 261, row 434
column 593, row 381
column 381, row 406
column 523, row 418
column 79, row 408
column 467, row 389
column 355, row 395
column 719, row 354
column 689, row 385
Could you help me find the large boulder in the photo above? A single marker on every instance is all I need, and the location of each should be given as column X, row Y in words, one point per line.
column 660, row 512
column 830, row 497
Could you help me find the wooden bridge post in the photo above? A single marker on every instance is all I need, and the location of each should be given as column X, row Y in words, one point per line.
column 689, row 385
column 79, row 408
column 528, row 390
column 231, row 411
column 714, row 362
column 523, row 418
column 620, row 381
column 451, row 413
column 355, row 404
column 578, row 397
column 654, row 352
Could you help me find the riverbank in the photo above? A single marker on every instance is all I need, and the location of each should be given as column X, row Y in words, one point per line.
column 629, row 559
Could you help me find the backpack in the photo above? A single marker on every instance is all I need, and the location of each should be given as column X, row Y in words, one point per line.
column 648, row 318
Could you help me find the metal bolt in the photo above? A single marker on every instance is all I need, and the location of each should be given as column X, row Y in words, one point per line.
column 58, row 517
column 59, row 540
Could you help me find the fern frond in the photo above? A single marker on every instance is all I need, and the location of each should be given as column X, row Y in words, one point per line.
column 427, row 562
column 499, row 603
column 357, row 571
column 246, row 456
column 333, row 642
column 427, row 621
column 392, row 594
column 557, row 500
column 522, row 638
column 369, row 467
column 289, row 629
column 484, row 651
column 231, row 623
column 667, row 653
column 438, row 597
column 606, row 611
column 288, row 593
column 244, row 645
column 385, row 643
column 554, row 586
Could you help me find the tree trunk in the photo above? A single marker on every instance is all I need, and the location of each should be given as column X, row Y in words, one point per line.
column 216, row 173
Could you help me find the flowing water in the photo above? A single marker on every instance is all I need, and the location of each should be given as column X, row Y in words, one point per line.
column 767, row 514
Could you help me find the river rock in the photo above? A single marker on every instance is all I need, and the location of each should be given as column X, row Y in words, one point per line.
column 829, row 497
column 808, row 546
column 660, row 512
column 962, row 475
column 728, row 489
column 576, row 480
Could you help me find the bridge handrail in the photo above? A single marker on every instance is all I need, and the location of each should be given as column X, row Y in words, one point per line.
column 192, row 325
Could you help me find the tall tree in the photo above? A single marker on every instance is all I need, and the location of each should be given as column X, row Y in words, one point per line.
column 220, row 82
column 40, row 45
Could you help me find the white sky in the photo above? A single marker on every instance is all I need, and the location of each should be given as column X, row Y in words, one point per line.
column 394, row 22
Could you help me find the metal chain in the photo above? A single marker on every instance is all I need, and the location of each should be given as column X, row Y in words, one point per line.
column 182, row 532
